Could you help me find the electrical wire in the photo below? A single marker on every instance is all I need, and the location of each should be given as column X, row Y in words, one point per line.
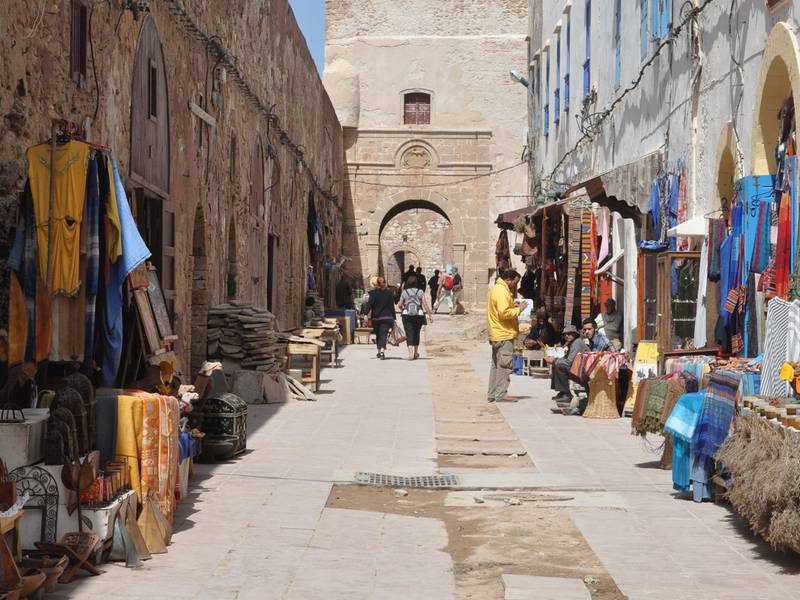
column 36, row 22
column 442, row 184
column 602, row 116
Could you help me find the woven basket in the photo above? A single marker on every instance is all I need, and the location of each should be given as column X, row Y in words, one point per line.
column 602, row 397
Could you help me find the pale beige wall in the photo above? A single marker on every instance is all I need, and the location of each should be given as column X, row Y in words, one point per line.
column 461, row 53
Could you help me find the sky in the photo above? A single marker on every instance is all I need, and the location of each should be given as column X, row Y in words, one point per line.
column 310, row 14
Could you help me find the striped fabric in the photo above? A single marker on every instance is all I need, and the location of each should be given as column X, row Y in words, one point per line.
column 586, row 264
column 782, row 344
column 716, row 416
column 573, row 259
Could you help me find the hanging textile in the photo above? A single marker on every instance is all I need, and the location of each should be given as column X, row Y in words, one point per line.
column 502, row 252
column 70, row 169
column 631, row 274
column 717, row 232
column 573, row 260
column 134, row 253
column 716, row 416
column 605, row 217
column 700, row 336
column 783, row 247
column 781, row 344
column 587, row 272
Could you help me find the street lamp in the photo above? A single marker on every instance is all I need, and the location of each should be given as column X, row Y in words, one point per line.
column 521, row 79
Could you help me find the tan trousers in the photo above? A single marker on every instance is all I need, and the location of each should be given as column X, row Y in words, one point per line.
column 502, row 367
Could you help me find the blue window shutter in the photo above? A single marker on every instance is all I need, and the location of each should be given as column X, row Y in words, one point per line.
column 644, row 37
column 617, row 43
column 655, row 19
column 665, row 17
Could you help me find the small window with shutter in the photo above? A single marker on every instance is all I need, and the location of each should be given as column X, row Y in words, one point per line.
column 78, row 53
column 417, row 109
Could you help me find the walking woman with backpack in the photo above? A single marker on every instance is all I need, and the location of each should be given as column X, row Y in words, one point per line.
column 415, row 310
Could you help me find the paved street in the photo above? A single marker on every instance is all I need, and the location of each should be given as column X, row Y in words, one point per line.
column 258, row 527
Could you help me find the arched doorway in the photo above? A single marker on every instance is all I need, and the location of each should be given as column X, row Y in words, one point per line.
column 418, row 233
column 778, row 83
column 199, row 291
column 729, row 168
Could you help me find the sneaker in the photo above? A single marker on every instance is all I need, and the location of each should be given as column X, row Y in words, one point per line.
column 571, row 412
column 381, row 355
column 563, row 398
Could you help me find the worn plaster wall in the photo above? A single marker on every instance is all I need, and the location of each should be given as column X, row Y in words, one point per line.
column 427, row 233
column 694, row 98
column 460, row 53
column 209, row 179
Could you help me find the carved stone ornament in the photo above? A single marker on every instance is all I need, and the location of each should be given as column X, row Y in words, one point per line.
column 416, row 157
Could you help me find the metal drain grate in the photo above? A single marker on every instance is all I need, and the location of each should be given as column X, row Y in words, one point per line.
column 421, row 481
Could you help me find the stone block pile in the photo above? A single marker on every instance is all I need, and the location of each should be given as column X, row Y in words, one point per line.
column 242, row 336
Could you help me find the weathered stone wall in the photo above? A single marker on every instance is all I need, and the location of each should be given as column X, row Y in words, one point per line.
column 460, row 53
column 422, row 231
column 208, row 179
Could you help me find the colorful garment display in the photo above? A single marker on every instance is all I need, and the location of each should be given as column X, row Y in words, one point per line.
column 134, row 253
column 716, row 416
column 782, row 344
column 70, row 168
column 681, row 425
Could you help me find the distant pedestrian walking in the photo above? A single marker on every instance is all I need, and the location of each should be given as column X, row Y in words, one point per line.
column 433, row 286
column 415, row 311
column 382, row 314
column 503, row 322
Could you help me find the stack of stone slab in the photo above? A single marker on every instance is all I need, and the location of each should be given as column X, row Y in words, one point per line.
column 242, row 336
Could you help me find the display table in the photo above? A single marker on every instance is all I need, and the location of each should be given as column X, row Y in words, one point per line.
column 9, row 524
column 329, row 334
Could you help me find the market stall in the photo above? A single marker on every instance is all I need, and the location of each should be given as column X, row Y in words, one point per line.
column 89, row 472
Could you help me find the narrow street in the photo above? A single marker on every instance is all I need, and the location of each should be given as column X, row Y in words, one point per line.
column 586, row 502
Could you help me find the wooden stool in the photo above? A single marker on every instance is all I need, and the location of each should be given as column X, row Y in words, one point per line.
column 310, row 378
column 8, row 524
column 602, row 397
column 361, row 332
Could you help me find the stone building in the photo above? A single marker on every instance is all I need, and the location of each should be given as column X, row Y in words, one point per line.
column 429, row 113
column 622, row 92
column 225, row 135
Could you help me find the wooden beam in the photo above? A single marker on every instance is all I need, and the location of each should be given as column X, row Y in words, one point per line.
column 202, row 115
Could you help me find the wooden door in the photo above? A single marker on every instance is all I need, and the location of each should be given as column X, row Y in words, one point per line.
column 150, row 152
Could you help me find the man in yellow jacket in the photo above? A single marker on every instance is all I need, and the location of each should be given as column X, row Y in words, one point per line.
column 503, row 320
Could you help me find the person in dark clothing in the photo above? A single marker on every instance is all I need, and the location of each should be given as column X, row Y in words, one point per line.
column 420, row 279
column 560, row 375
column 406, row 275
column 542, row 333
column 433, row 286
column 527, row 287
column 382, row 313
column 344, row 292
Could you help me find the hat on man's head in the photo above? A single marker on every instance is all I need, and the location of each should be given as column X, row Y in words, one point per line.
column 570, row 329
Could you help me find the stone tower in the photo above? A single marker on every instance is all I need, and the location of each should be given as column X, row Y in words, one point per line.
column 429, row 113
